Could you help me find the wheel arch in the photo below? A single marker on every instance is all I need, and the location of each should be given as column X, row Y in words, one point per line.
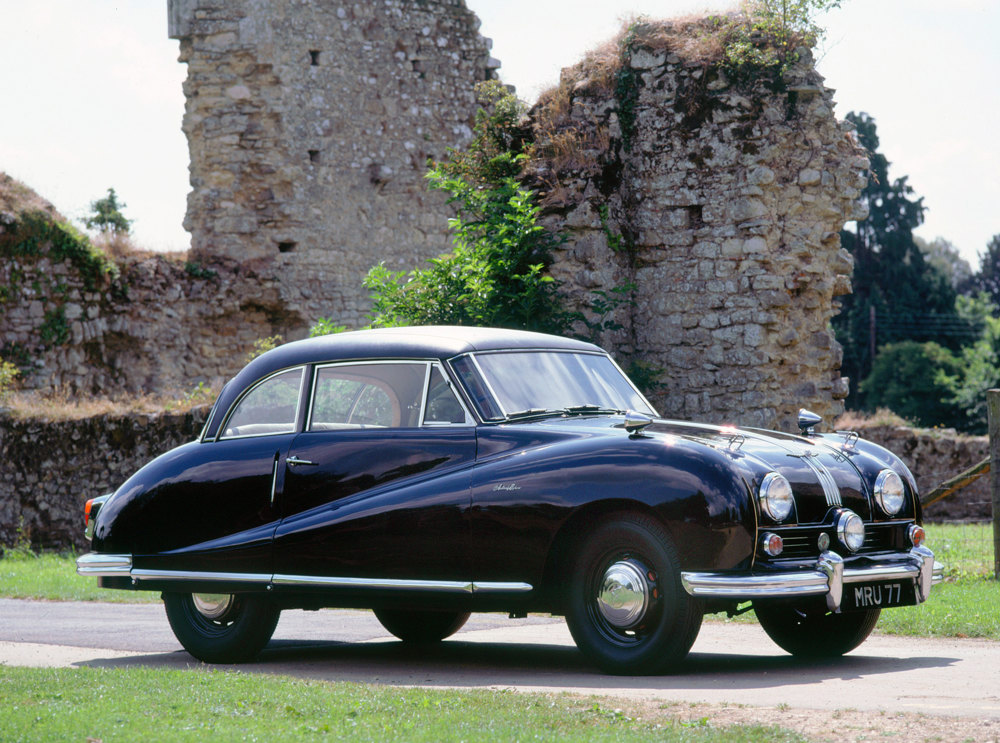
column 576, row 527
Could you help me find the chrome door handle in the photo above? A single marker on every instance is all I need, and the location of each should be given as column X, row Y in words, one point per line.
column 295, row 460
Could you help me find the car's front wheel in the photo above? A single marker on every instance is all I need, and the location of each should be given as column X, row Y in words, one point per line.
column 420, row 626
column 815, row 634
column 221, row 628
column 626, row 609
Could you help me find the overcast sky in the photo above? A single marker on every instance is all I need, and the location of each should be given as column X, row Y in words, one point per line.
column 90, row 96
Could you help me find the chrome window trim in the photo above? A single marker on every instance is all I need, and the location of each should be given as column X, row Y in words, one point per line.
column 488, row 384
column 656, row 413
column 428, row 363
column 470, row 419
column 423, row 395
column 364, row 362
column 236, row 403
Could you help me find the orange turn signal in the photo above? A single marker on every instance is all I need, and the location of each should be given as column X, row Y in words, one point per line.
column 86, row 511
column 917, row 535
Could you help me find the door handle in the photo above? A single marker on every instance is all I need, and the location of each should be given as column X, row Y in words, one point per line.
column 293, row 460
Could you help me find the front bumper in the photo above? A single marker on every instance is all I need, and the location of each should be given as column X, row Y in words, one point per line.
column 827, row 578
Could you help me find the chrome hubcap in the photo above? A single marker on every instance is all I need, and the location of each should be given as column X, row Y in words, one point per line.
column 212, row 605
column 623, row 596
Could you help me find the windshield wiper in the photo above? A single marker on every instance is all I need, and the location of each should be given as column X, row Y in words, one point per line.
column 589, row 408
column 532, row 413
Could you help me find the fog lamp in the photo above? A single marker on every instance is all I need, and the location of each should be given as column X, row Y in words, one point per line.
column 771, row 544
column 850, row 530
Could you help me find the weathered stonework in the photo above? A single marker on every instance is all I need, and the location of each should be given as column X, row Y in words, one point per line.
column 48, row 469
column 720, row 201
column 309, row 127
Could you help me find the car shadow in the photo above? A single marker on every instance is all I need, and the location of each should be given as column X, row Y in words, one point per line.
column 455, row 663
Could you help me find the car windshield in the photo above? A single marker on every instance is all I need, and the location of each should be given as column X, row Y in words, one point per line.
column 527, row 382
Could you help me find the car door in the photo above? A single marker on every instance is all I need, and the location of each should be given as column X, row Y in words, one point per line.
column 376, row 489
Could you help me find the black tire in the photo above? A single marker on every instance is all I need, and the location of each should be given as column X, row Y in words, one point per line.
column 420, row 626
column 815, row 634
column 221, row 628
column 659, row 635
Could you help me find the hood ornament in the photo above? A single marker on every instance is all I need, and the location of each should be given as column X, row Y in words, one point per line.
column 808, row 421
column 635, row 422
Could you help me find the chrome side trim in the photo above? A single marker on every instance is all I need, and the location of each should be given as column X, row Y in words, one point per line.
column 451, row 586
column 145, row 574
column 490, row 587
column 97, row 564
column 448, row 586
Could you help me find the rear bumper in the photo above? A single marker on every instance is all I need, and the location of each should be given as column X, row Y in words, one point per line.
column 826, row 579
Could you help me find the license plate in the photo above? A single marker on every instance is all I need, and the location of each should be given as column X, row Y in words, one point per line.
column 878, row 595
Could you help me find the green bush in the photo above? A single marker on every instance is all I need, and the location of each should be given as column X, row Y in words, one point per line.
column 496, row 274
column 909, row 378
column 8, row 374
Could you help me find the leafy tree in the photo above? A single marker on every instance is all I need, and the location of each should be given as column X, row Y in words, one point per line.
column 979, row 368
column 944, row 258
column 496, row 274
column 910, row 378
column 107, row 216
column 987, row 278
column 325, row 326
column 908, row 294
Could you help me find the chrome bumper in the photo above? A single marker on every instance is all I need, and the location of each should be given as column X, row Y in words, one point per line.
column 827, row 579
column 106, row 565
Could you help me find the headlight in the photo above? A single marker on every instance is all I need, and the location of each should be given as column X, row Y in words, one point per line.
column 850, row 530
column 775, row 496
column 889, row 492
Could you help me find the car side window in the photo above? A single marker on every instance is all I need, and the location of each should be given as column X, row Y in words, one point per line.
column 442, row 406
column 379, row 395
column 269, row 408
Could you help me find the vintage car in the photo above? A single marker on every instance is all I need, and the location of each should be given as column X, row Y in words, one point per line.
column 431, row 472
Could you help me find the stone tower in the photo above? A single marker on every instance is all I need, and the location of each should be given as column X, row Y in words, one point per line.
column 309, row 126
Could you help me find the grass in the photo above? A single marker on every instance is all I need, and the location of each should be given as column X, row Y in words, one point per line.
column 48, row 576
column 197, row 705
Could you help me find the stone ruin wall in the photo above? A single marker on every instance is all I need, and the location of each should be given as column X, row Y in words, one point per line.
column 721, row 202
column 310, row 126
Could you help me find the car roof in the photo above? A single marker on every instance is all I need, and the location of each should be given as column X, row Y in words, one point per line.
column 419, row 342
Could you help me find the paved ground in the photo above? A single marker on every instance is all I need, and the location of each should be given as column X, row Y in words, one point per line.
column 729, row 665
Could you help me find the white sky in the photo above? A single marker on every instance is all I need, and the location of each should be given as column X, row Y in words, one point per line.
column 90, row 96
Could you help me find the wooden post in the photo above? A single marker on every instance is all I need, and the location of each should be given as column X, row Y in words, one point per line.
column 993, row 406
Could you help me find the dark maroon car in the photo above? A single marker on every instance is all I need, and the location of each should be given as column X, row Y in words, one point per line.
column 430, row 472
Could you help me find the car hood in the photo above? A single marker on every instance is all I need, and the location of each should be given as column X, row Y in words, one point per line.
column 825, row 472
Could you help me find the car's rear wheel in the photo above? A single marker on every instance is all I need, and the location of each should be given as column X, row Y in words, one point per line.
column 420, row 626
column 626, row 608
column 221, row 628
column 815, row 634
